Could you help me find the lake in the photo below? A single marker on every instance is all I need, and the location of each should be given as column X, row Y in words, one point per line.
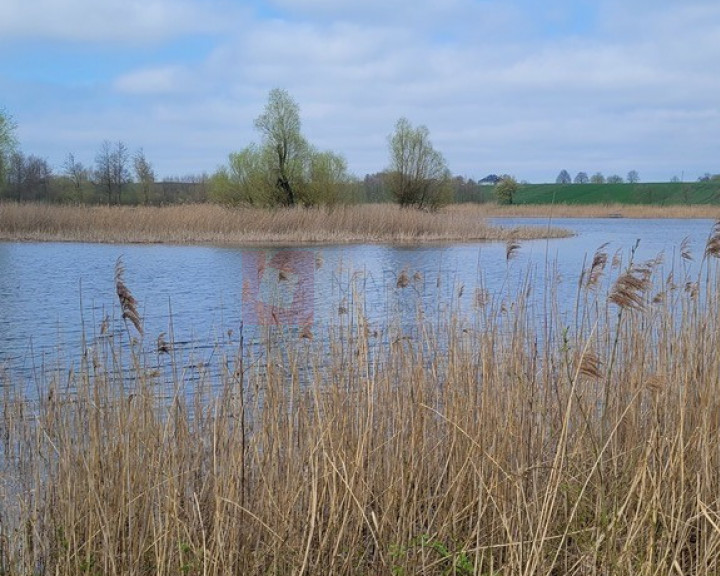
column 52, row 295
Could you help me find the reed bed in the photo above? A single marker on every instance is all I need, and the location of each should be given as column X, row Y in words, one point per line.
column 600, row 211
column 493, row 441
column 209, row 223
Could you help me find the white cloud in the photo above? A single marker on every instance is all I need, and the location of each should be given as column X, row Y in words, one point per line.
column 634, row 89
column 163, row 80
column 117, row 21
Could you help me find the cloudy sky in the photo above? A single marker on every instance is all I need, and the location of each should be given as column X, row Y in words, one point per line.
column 506, row 86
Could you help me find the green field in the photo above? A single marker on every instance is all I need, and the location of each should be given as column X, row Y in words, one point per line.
column 664, row 193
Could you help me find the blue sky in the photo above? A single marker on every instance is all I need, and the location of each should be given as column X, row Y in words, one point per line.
column 521, row 87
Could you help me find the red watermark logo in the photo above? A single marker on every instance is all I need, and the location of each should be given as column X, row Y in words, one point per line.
column 278, row 288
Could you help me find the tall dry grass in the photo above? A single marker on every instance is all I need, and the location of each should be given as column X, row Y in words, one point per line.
column 492, row 442
column 601, row 211
column 208, row 223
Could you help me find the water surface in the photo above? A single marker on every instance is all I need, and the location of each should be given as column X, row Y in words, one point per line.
column 52, row 295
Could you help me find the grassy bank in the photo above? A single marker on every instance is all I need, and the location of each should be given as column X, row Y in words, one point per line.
column 209, row 223
column 649, row 193
column 502, row 441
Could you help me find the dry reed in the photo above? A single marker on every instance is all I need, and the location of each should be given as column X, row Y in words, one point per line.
column 486, row 444
column 209, row 223
column 600, row 211
column 128, row 304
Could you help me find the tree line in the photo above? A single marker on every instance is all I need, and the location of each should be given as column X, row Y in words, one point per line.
column 116, row 177
column 598, row 178
column 282, row 169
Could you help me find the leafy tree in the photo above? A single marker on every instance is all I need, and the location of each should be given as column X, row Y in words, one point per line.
column 328, row 174
column 582, row 178
column 506, row 189
column 287, row 149
column 614, row 179
column 246, row 180
column 283, row 169
column 563, row 177
column 144, row 173
column 597, row 178
column 418, row 175
column 8, row 144
column 633, row 177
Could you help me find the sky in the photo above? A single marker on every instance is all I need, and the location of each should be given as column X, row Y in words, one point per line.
column 518, row 87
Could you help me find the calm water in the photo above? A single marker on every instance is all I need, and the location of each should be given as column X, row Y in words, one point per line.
column 52, row 294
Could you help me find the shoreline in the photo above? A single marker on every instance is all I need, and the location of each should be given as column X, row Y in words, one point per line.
column 631, row 211
column 210, row 224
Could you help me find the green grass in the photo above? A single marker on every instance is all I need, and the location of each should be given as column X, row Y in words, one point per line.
column 662, row 193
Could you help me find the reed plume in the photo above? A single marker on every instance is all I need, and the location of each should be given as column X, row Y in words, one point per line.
column 511, row 249
column 712, row 248
column 597, row 267
column 630, row 287
column 403, row 280
column 128, row 304
column 590, row 365
column 685, row 253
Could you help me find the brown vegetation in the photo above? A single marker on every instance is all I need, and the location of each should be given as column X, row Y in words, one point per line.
column 209, row 223
column 495, row 443
column 598, row 211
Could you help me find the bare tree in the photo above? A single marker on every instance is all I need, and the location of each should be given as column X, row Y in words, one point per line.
column 104, row 169
column 418, row 175
column 597, row 178
column 582, row 178
column 8, row 144
column 111, row 169
column 78, row 175
column 28, row 177
column 563, row 178
column 614, row 179
column 120, row 169
column 144, row 173
column 15, row 175
column 39, row 175
column 633, row 177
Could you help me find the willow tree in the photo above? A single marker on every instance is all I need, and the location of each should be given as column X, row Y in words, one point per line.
column 288, row 151
column 418, row 175
column 247, row 179
column 145, row 174
column 284, row 169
